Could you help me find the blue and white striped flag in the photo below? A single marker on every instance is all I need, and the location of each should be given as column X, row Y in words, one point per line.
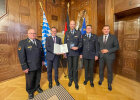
column 45, row 33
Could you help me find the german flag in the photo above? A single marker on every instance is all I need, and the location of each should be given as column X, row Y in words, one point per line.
column 67, row 27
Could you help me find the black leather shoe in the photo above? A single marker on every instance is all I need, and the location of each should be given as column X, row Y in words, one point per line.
column 70, row 83
column 57, row 83
column 100, row 82
column 50, row 85
column 31, row 96
column 91, row 84
column 85, row 82
column 77, row 86
column 39, row 90
column 109, row 87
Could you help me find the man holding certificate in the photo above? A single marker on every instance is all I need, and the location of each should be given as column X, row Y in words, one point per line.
column 52, row 58
column 74, row 43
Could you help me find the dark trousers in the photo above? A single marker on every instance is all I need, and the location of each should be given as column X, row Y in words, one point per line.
column 89, row 66
column 105, row 60
column 73, row 68
column 33, row 81
column 53, row 63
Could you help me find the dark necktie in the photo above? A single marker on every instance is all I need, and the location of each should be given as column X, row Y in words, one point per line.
column 34, row 42
column 54, row 40
column 105, row 39
column 88, row 36
column 72, row 32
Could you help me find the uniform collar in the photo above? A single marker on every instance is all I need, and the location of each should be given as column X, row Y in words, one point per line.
column 72, row 30
column 31, row 39
column 53, row 36
column 88, row 34
column 106, row 35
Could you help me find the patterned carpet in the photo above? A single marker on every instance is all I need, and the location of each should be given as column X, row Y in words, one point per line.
column 56, row 93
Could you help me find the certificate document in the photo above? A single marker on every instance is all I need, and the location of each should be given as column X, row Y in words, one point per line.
column 60, row 48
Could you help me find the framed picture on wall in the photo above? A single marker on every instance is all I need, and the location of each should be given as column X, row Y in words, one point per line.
column 3, row 8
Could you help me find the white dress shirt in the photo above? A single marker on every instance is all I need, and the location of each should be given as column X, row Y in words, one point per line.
column 53, row 39
column 106, row 37
column 33, row 41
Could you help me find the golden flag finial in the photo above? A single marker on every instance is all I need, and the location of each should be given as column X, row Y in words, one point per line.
column 41, row 5
column 68, row 6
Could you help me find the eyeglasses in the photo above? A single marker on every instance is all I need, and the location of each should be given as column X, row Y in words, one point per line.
column 54, row 31
column 32, row 33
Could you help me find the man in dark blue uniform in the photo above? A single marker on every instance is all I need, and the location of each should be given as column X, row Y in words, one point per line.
column 74, row 43
column 90, row 50
column 52, row 59
column 31, row 58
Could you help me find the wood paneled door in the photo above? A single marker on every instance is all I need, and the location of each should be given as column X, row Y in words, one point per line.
column 128, row 31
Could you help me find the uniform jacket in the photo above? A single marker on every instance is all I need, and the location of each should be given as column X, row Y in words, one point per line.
column 90, row 46
column 30, row 55
column 73, row 39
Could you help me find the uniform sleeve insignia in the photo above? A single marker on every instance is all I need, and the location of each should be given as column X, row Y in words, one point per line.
column 29, row 47
column 19, row 48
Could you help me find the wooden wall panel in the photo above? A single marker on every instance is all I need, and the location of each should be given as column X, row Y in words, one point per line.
column 90, row 6
column 13, row 27
column 57, row 9
column 120, row 8
column 129, row 39
column 100, row 16
column 109, row 14
column 60, row 8
column 123, row 5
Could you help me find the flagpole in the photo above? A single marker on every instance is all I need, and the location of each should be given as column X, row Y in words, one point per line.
column 68, row 5
column 41, row 5
column 65, row 75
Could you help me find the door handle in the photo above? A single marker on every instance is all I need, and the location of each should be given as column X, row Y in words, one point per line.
column 138, row 50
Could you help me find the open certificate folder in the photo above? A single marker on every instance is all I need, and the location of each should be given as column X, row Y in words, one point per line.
column 60, row 49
